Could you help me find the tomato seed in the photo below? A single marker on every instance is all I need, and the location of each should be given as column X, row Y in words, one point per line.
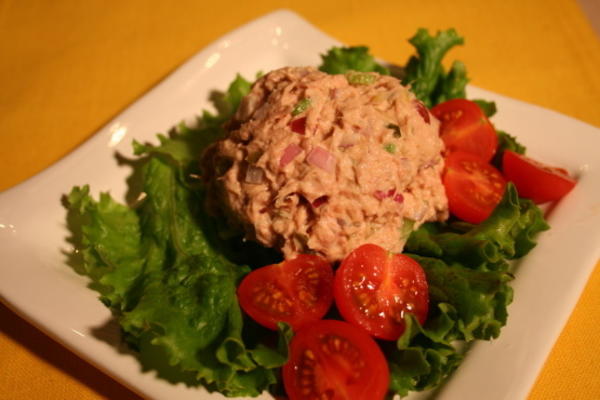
column 336, row 343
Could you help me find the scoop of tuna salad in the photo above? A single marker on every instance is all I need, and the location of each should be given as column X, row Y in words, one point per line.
column 319, row 163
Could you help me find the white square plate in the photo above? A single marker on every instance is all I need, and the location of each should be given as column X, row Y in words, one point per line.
column 35, row 281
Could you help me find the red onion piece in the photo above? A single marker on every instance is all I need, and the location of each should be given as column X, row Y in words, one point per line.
column 290, row 152
column 423, row 112
column 298, row 125
column 349, row 139
column 319, row 201
column 428, row 164
column 398, row 198
column 379, row 195
column 254, row 175
column 321, row 158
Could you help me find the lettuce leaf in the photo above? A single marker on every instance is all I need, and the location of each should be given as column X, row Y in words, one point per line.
column 488, row 107
column 423, row 357
column 508, row 233
column 167, row 284
column 506, row 142
column 424, row 71
column 451, row 85
column 162, row 270
column 339, row 60
column 465, row 304
column 468, row 277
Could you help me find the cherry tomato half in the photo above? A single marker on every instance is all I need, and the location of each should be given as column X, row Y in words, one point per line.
column 473, row 186
column 534, row 180
column 464, row 127
column 334, row 360
column 298, row 291
column 374, row 289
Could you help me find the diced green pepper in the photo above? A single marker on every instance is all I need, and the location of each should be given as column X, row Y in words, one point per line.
column 301, row 106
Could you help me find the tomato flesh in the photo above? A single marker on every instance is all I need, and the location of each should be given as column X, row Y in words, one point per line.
column 374, row 289
column 473, row 186
column 464, row 127
column 297, row 291
column 332, row 359
column 534, row 180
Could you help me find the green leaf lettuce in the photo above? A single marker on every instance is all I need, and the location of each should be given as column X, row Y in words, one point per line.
column 425, row 73
column 161, row 268
column 339, row 60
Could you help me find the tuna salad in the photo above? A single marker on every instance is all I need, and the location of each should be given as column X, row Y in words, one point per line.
column 313, row 162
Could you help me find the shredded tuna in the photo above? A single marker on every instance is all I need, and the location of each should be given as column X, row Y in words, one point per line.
column 346, row 186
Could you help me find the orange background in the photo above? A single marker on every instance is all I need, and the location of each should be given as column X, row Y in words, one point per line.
column 68, row 67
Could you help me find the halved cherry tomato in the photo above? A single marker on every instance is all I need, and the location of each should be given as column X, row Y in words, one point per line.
column 473, row 186
column 374, row 289
column 334, row 360
column 464, row 127
column 298, row 291
column 534, row 180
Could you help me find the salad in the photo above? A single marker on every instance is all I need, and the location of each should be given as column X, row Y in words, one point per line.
column 173, row 276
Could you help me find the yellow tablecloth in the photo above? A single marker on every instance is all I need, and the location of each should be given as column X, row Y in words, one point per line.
column 67, row 67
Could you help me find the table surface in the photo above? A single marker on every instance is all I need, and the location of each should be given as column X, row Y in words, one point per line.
column 68, row 67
